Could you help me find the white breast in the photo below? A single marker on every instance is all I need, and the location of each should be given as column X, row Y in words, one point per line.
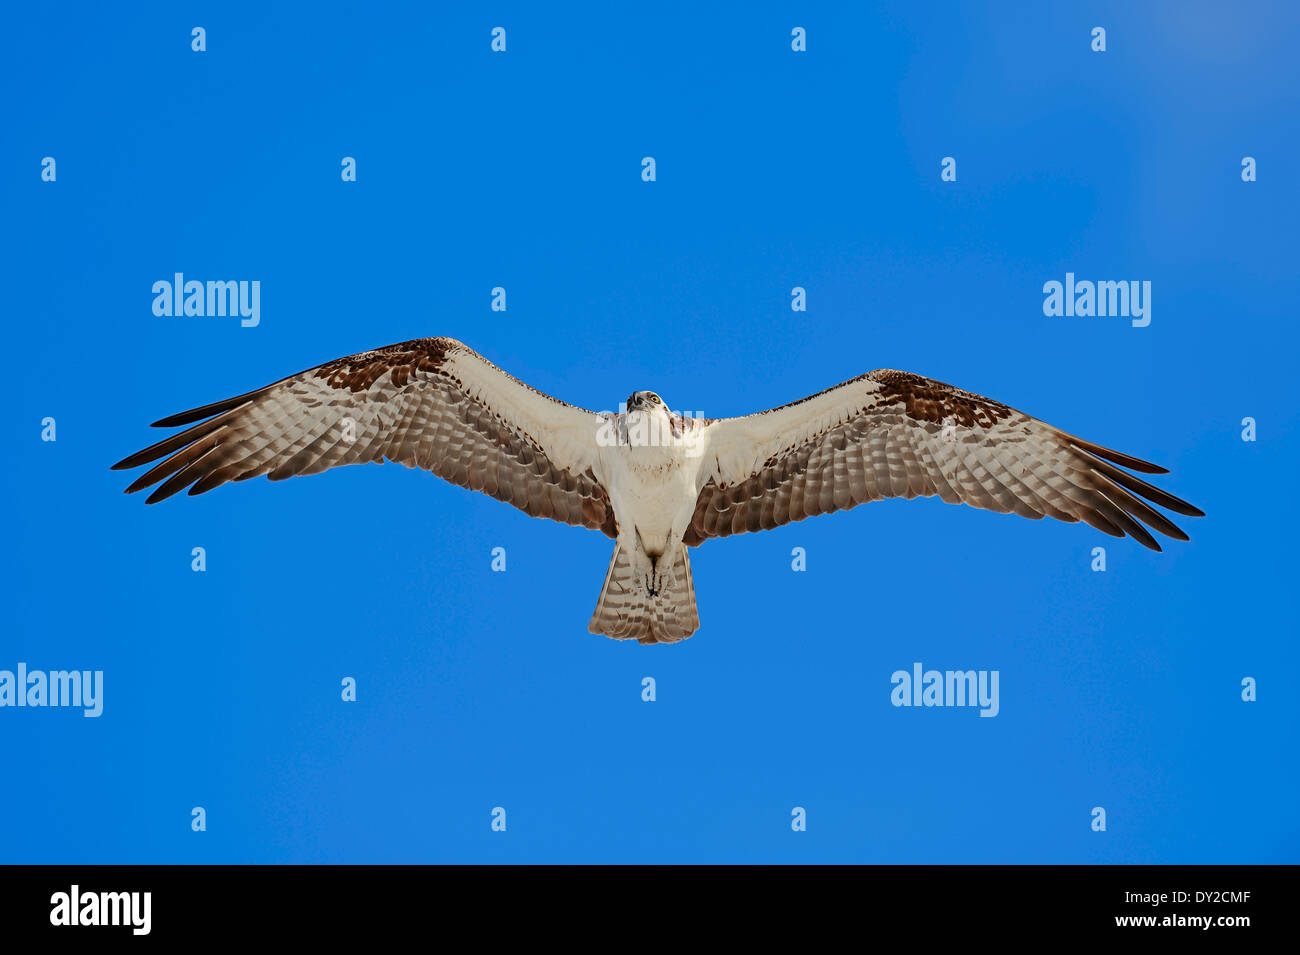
column 653, row 491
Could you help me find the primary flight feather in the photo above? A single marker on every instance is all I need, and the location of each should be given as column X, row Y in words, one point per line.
column 655, row 481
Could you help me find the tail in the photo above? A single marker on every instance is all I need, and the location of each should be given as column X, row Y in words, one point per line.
column 627, row 609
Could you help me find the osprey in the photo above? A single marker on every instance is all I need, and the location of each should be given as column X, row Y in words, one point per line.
column 656, row 482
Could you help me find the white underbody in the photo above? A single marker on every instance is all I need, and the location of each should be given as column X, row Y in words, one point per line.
column 653, row 489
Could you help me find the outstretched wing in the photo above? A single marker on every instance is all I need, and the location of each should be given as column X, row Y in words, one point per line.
column 431, row 403
column 895, row 434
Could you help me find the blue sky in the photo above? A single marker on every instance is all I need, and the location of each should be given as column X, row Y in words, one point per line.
column 775, row 169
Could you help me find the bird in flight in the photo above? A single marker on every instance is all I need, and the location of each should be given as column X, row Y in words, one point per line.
column 656, row 482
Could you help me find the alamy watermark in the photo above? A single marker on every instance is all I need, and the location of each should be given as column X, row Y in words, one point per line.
column 76, row 907
column 1104, row 299
column 640, row 428
column 209, row 299
column 921, row 687
column 83, row 688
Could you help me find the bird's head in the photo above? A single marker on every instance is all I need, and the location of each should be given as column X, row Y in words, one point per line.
column 645, row 401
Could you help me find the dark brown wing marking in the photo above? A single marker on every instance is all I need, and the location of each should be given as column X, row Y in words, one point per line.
column 407, row 403
column 911, row 436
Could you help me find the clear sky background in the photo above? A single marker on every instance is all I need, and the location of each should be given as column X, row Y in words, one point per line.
column 775, row 169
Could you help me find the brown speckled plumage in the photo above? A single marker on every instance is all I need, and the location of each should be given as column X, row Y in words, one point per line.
column 895, row 434
column 434, row 403
column 404, row 404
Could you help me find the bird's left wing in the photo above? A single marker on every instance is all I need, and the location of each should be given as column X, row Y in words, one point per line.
column 894, row 434
column 431, row 403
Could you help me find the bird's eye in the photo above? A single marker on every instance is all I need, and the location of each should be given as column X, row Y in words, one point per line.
column 654, row 399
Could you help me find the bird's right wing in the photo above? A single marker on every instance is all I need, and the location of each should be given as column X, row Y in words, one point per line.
column 431, row 403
